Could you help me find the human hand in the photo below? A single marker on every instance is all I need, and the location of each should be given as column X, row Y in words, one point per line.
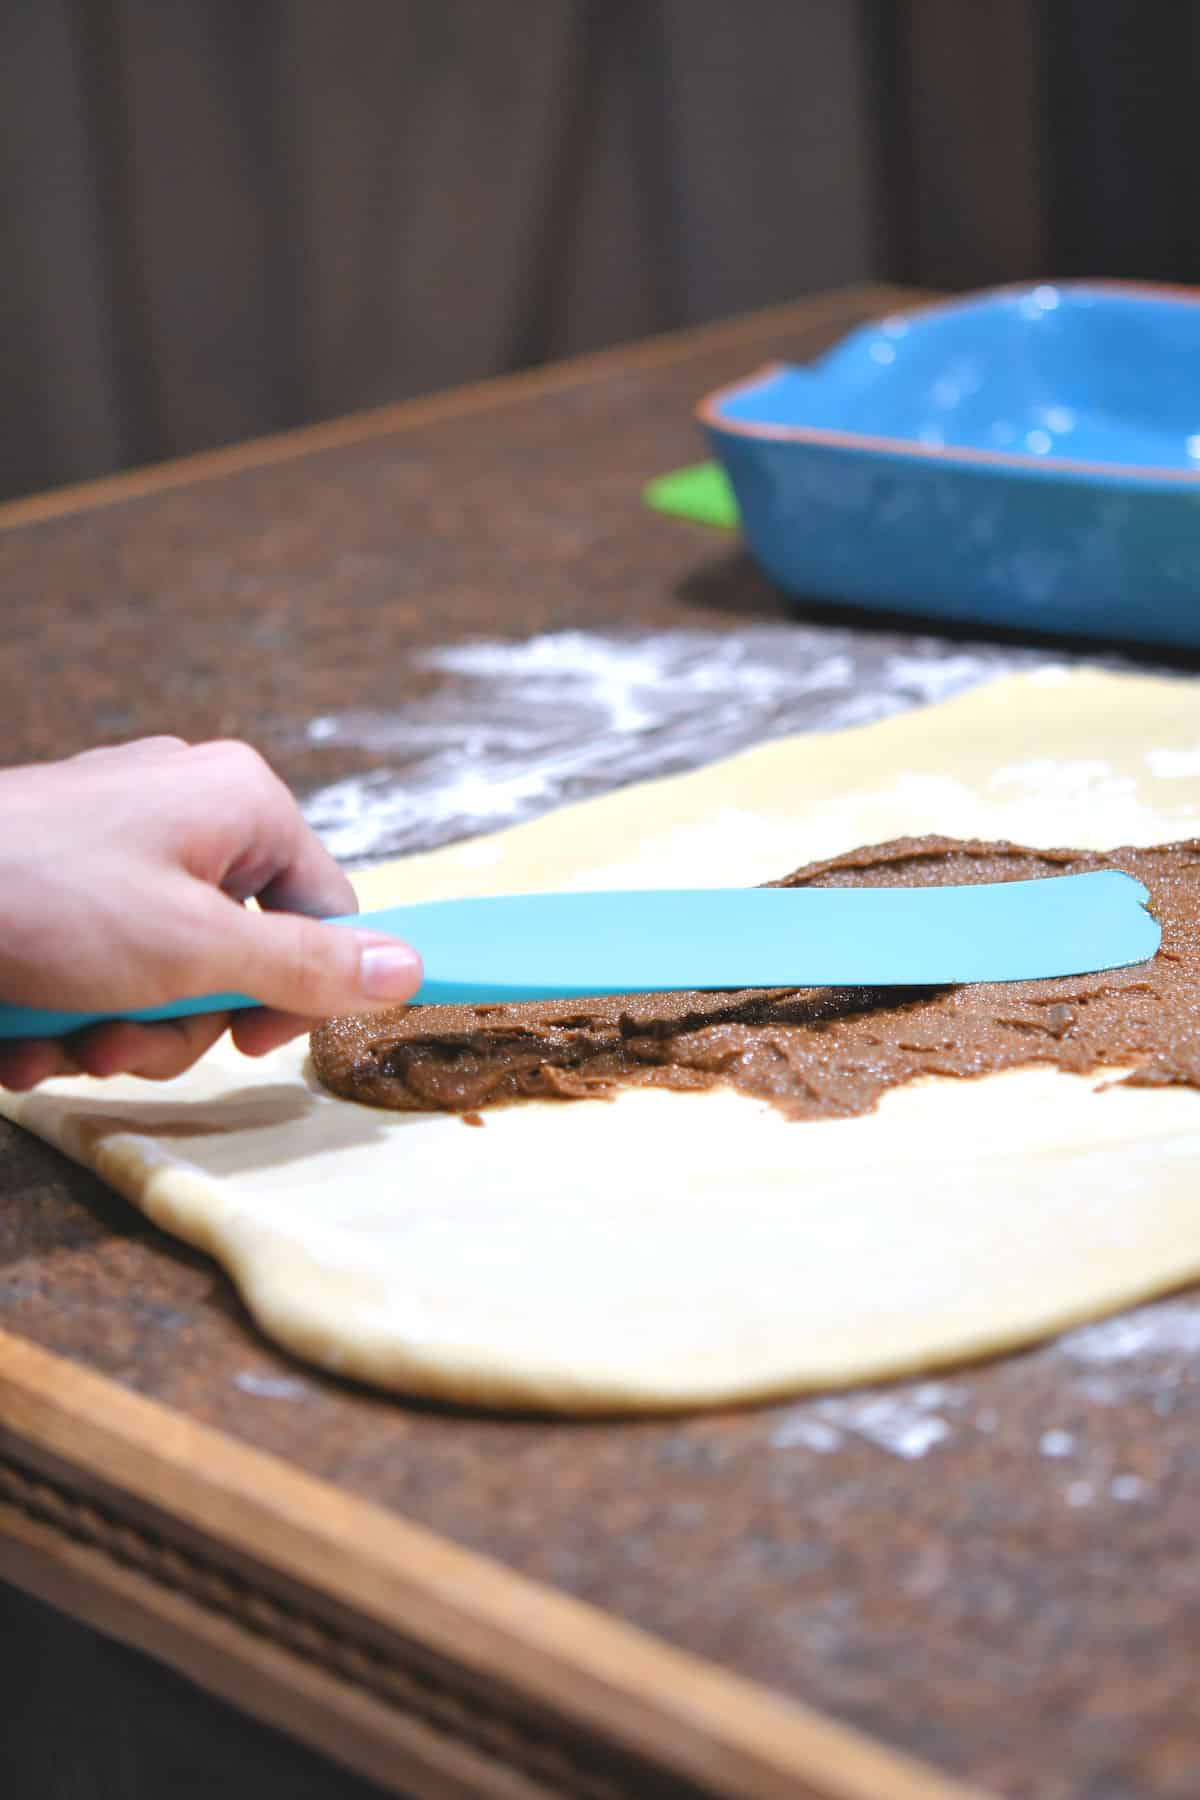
column 122, row 877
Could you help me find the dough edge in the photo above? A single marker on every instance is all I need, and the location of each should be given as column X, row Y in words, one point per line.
column 306, row 1307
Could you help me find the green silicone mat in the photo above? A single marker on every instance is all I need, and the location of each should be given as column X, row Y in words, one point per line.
column 700, row 492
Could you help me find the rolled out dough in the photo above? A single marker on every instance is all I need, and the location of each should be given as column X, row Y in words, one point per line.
column 702, row 1248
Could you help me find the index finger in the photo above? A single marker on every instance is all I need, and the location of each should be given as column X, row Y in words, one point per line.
column 277, row 859
column 309, row 882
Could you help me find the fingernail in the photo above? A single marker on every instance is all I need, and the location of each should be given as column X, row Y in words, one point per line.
column 389, row 971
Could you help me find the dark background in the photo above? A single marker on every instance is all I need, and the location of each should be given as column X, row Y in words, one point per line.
column 223, row 217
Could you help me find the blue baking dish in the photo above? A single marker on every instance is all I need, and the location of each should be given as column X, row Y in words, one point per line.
column 1025, row 457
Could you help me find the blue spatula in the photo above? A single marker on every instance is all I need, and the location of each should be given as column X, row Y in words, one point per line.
column 559, row 946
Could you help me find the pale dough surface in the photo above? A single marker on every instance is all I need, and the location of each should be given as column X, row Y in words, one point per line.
column 671, row 1249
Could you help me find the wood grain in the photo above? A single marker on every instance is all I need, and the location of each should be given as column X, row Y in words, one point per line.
column 234, row 1568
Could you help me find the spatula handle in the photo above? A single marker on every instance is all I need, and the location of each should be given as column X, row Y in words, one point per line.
column 40, row 1022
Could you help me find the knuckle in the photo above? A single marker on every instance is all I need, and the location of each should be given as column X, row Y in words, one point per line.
column 154, row 740
column 239, row 767
column 105, row 1050
column 160, row 740
column 316, row 963
column 176, row 957
column 25, row 1065
column 180, row 956
column 235, row 759
column 165, row 1065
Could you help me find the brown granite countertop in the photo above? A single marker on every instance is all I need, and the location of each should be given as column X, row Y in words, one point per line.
column 995, row 1570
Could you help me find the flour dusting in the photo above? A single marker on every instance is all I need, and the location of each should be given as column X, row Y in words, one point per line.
column 567, row 714
column 905, row 1422
column 1169, row 1328
column 270, row 1387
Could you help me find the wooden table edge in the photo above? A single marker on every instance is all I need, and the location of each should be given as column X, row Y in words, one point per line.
column 374, row 1640
column 815, row 310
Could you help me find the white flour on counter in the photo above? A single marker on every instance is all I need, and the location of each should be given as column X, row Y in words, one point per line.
column 571, row 713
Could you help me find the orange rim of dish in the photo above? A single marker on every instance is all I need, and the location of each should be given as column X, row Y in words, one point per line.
column 708, row 409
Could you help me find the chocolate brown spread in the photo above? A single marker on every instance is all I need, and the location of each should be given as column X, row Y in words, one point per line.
column 814, row 1053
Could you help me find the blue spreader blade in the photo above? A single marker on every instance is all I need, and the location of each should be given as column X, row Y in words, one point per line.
column 562, row 946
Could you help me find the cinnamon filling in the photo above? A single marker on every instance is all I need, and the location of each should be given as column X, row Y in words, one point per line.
column 812, row 1052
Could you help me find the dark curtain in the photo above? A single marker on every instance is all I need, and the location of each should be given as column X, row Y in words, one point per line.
column 223, row 217
column 220, row 218
column 1124, row 194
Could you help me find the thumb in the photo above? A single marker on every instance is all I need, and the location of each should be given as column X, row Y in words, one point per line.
column 298, row 965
